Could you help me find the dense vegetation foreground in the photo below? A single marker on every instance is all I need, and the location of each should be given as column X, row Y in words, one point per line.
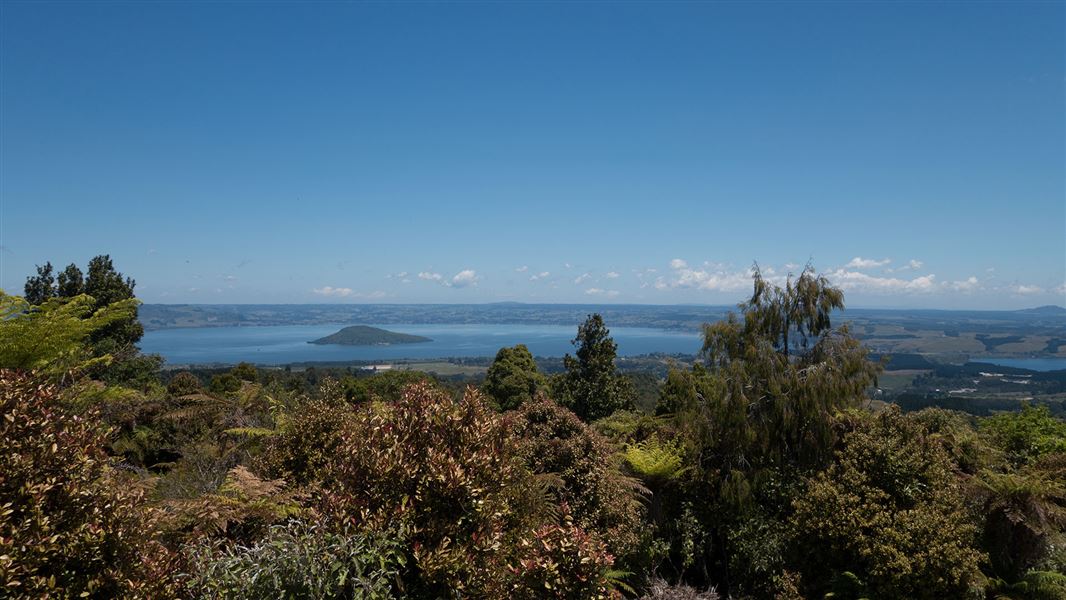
column 765, row 472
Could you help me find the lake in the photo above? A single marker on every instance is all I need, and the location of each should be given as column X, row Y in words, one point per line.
column 1034, row 364
column 271, row 345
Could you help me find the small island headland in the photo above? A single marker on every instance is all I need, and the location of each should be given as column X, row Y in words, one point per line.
column 364, row 335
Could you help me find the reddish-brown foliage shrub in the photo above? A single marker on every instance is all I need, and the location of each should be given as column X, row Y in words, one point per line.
column 603, row 501
column 70, row 524
column 448, row 478
column 561, row 561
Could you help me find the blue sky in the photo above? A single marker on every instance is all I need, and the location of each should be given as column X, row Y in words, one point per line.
column 539, row 152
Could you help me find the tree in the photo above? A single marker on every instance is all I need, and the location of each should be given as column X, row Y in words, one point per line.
column 106, row 286
column 54, row 336
column 757, row 418
column 71, row 282
column 776, row 408
column 592, row 386
column 513, row 377
column 39, row 288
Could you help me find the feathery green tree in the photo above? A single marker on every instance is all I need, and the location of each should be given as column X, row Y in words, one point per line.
column 513, row 377
column 591, row 386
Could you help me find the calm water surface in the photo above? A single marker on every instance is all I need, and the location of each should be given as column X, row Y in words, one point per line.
column 1035, row 364
column 288, row 343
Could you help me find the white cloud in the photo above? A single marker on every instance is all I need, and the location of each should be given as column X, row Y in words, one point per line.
column 861, row 282
column 582, row 278
column 711, row 277
column 791, row 266
column 599, row 292
column 1027, row 290
column 866, row 263
column 229, row 278
column 464, row 278
column 333, row 292
column 428, row 276
column 1061, row 290
column 522, row 269
column 539, row 276
column 912, row 265
column 968, row 285
column 612, row 275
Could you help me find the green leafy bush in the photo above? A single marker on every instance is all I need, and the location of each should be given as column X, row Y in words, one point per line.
column 299, row 561
column 655, row 461
column 889, row 514
column 513, row 378
column 1026, row 435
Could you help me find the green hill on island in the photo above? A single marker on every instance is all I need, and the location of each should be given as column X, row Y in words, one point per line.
column 362, row 335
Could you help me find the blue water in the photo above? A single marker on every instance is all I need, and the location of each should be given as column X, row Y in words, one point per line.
column 288, row 343
column 1035, row 364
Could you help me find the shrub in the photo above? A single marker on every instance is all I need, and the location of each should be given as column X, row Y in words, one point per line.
column 308, row 437
column 513, row 377
column 1026, row 435
column 603, row 500
column 660, row 590
column 184, row 383
column 887, row 518
column 562, row 561
column 70, row 525
column 298, row 561
column 448, row 472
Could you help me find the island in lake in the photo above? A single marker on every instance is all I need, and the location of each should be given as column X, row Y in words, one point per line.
column 362, row 335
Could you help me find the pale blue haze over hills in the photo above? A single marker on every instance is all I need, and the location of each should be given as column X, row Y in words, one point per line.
column 538, row 152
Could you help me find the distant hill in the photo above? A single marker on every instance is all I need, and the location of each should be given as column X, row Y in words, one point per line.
column 362, row 335
column 1049, row 309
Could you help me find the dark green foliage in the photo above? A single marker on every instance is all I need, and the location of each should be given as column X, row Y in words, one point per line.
column 362, row 335
column 887, row 514
column 107, row 286
column 118, row 338
column 386, row 386
column 225, row 383
column 71, row 282
column 308, row 438
column 70, row 525
column 299, row 561
column 773, row 408
column 683, row 390
column 757, row 418
column 513, row 378
column 1025, row 512
column 40, row 287
column 591, row 385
